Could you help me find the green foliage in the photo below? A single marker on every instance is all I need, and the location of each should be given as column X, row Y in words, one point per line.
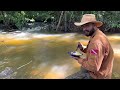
column 19, row 19
column 16, row 17
column 110, row 18
column 42, row 15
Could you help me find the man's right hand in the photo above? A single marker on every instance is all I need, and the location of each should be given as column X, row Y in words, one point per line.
column 80, row 46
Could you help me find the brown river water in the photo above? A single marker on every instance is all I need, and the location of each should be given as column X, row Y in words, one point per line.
column 45, row 56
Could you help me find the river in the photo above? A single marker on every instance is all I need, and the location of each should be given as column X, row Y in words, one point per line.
column 45, row 56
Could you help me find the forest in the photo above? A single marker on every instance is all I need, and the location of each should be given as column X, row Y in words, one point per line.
column 58, row 21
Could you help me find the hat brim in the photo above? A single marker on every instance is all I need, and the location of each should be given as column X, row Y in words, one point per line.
column 97, row 23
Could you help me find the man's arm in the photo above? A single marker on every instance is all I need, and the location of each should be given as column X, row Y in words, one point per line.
column 94, row 58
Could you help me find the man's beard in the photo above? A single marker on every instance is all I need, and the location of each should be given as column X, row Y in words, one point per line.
column 89, row 33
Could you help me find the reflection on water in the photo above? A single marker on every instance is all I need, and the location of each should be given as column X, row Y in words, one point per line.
column 48, row 53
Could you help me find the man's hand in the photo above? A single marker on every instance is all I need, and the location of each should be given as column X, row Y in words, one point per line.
column 78, row 59
column 80, row 46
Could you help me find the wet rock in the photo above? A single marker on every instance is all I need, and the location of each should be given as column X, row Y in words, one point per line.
column 8, row 73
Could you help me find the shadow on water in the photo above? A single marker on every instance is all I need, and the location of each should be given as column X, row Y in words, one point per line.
column 48, row 52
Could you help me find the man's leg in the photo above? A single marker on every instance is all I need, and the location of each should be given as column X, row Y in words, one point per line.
column 82, row 74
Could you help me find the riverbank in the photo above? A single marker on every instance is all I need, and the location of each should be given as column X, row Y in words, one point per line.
column 42, row 27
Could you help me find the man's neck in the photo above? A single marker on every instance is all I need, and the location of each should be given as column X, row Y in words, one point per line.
column 94, row 33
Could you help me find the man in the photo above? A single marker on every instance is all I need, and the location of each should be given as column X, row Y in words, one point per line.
column 98, row 63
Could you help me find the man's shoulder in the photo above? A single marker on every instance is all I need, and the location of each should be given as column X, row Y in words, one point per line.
column 96, row 40
column 99, row 36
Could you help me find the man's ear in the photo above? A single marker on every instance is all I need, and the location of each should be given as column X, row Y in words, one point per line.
column 95, row 27
column 94, row 24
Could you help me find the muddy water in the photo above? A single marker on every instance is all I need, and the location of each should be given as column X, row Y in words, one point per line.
column 45, row 56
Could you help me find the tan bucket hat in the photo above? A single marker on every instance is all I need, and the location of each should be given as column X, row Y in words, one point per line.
column 87, row 18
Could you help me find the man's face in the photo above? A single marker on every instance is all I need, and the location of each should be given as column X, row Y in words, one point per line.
column 88, row 29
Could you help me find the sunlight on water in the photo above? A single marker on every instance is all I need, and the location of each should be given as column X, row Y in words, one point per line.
column 45, row 35
column 117, row 51
column 114, row 38
column 15, row 39
column 56, row 72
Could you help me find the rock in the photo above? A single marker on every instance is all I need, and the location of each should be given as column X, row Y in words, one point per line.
column 7, row 73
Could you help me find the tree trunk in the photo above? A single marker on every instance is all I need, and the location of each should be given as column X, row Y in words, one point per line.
column 65, row 21
column 59, row 20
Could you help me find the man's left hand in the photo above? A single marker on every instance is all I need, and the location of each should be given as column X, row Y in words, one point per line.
column 78, row 59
